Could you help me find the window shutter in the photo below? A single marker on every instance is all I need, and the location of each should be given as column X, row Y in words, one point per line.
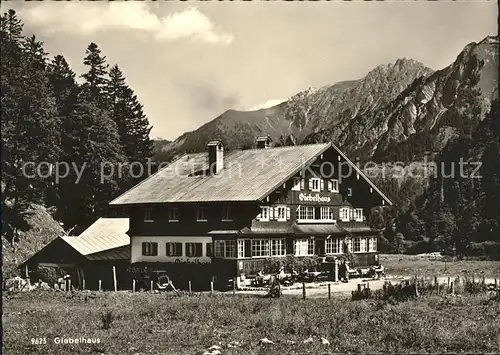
column 322, row 185
column 144, row 246
column 302, row 184
column 288, row 213
column 310, row 184
column 271, row 213
column 259, row 216
column 330, row 185
column 276, row 213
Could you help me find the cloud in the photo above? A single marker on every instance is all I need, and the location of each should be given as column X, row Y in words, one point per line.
column 87, row 17
column 267, row 104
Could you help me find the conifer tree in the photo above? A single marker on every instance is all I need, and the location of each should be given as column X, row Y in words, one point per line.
column 96, row 78
column 133, row 125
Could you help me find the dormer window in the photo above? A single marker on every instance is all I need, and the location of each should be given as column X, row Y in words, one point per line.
column 148, row 215
column 226, row 214
column 201, row 214
column 173, row 214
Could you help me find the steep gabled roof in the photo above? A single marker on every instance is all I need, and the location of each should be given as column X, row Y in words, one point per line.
column 248, row 175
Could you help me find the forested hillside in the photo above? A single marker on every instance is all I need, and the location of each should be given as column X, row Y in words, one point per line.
column 49, row 119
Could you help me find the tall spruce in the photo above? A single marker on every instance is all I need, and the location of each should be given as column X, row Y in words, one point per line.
column 96, row 150
column 96, row 78
column 132, row 123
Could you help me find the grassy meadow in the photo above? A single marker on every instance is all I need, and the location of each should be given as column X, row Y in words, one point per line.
column 418, row 265
column 145, row 323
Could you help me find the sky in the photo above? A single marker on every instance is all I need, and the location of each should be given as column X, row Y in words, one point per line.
column 188, row 62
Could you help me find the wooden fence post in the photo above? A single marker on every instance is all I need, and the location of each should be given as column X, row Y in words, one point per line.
column 69, row 284
column 234, row 286
column 114, row 278
column 83, row 284
column 452, row 288
column 329, row 291
column 336, row 275
column 211, row 288
column 303, row 290
column 151, row 284
column 100, row 285
column 448, row 290
column 133, row 285
column 189, row 286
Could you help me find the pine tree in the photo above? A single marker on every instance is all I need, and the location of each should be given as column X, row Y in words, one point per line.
column 133, row 125
column 62, row 79
column 95, row 145
column 96, row 78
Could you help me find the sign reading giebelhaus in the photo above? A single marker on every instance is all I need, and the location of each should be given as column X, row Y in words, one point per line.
column 325, row 198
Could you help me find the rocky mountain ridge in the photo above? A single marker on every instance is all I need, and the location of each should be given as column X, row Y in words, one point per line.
column 402, row 104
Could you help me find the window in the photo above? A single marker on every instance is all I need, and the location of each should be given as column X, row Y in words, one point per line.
column 148, row 215
column 344, row 214
column 264, row 214
column 226, row 214
column 333, row 185
column 326, row 214
column 149, row 249
column 296, row 184
column 315, row 184
column 260, row 247
column 219, row 248
column 210, row 248
column 194, row 250
column 281, row 213
column 174, row 249
column 304, row 247
column 278, row 247
column 372, row 244
column 230, row 249
column 306, row 213
column 173, row 214
column 241, row 248
column 349, row 191
column 359, row 245
column 334, row 246
column 358, row 214
column 201, row 215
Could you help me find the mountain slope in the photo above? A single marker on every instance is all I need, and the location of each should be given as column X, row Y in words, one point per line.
column 432, row 110
column 306, row 112
column 397, row 111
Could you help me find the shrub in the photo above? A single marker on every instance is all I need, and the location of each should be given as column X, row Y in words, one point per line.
column 474, row 287
column 487, row 248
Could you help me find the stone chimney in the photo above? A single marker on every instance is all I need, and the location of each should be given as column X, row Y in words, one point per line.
column 264, row 142
column 215, row 156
